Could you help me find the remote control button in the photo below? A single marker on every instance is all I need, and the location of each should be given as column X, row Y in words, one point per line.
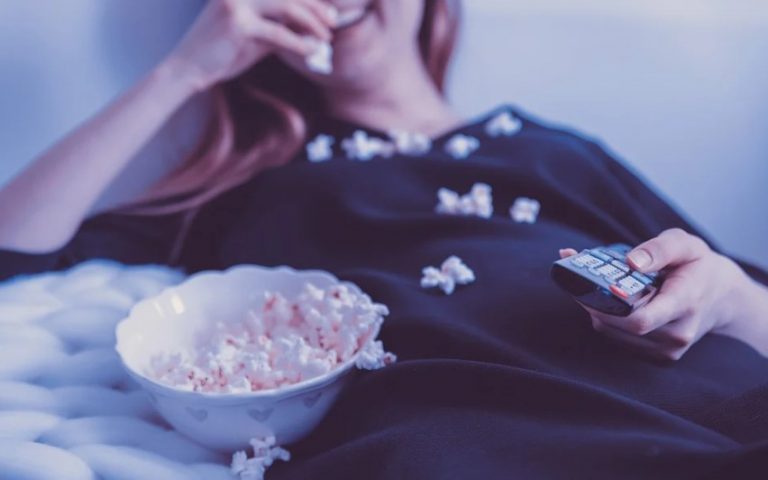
column 643, row 278
column 621, row 266
column 617, row 255
column 620, row 248
column 631, row 285
column 609, row 272
column 618, row 291
column 586, row 260
column 601, row 255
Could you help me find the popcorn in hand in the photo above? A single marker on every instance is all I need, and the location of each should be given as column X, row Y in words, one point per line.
column 478, row 202
column 364, row 148
column 320, row 149
column 503, row 124
column 525, row 210
column 461, row 146
column 321, row 60
column 411, row 144
column 285, row 342
column 264, row 455
column 451, row 273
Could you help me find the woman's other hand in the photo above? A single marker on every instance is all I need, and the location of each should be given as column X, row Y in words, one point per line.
column 703, row 292
column 231, row 35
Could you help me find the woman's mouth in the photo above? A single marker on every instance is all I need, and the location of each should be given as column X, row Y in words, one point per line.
column 351, row 16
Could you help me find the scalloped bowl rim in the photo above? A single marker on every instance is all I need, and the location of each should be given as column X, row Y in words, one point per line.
column 272, row 393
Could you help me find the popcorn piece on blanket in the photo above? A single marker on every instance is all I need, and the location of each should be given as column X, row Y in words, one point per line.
column 478, row 202
column 365, row 148
column 373, row 357
column 321, row 148
column 461, row 146
column 321, row 60
column 265, row 453
column 503, row 124
column 525, row 210
column 451, row 273
column 411, row 144
column 286, row 342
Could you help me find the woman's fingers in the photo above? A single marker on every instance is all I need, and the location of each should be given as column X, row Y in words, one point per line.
column 696, row 296
column 273, row 33
column 680, row 334
column 664, row 344
column 642, row 343
column 668, row 325
column 671, row 248
column 665, row 328
column 282, row 37
column 283, row 24
column 668, row 305
column 324, row 10
column 305, row 19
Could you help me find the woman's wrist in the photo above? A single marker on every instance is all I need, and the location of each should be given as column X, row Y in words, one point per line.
column 756, row 302
column 749, row 321
column 184, row 79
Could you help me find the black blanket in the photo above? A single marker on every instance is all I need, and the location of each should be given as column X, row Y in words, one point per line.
column 505, row 378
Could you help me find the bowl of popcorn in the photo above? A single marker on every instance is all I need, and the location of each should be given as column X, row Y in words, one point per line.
column 251, row 352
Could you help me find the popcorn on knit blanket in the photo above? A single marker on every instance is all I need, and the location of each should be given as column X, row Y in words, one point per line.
column 287, row 342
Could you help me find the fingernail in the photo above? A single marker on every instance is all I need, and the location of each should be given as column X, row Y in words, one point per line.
column 640, row 258
column 333, row 14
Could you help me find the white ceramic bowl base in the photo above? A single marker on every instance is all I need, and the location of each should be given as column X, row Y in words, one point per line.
column 230, row 427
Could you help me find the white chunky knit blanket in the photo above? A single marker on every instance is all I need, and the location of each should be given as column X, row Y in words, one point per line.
column 68, row 411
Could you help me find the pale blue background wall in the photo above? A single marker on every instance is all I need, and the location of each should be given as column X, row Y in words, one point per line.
column 678, row 87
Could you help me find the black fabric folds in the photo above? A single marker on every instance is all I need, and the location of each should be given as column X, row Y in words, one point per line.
column 504, row 379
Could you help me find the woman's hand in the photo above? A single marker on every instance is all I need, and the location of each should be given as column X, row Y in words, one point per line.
column 703, row 292
column 227, row 37
column 231, row 35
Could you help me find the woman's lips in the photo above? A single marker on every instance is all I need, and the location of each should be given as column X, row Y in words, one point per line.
column 350, row 16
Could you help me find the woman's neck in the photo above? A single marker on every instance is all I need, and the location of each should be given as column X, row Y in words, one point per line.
column 402, row 98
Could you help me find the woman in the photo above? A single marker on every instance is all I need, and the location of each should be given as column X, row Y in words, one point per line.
column 506, row 378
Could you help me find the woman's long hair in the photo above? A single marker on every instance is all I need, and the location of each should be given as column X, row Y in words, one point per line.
column 262, row 118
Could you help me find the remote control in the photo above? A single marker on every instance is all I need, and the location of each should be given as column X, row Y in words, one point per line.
column 600, row 278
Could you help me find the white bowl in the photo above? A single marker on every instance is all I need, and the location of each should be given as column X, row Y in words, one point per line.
column 171, row 321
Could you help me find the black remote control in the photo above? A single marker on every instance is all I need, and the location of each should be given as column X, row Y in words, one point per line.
column 600, row 278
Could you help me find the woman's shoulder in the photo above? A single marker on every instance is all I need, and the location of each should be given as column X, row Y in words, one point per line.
column 509, row 127
column 543, row 129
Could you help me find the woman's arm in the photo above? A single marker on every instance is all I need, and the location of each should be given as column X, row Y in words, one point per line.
column 42, row 208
